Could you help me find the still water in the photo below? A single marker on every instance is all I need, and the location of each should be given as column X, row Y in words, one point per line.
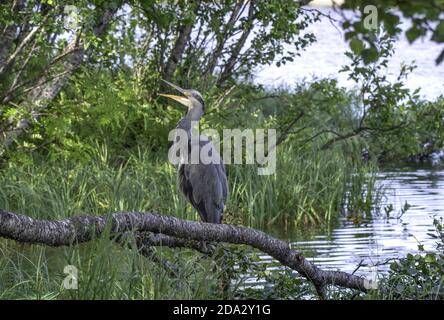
column 380, row 238
column 346, row 244
column 325, row 57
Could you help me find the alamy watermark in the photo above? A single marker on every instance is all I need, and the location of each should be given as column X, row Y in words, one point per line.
column 371, row 19
column 198, row 150
column 72, row 17
column 71, row 281
column 372, row 281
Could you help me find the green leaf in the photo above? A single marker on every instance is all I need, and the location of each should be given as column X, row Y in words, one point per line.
column 349, row 35
column 356, row 45
column 369, row 55
column 430, row 258
column 438, row 35
column 413, row 33
column 391, row 22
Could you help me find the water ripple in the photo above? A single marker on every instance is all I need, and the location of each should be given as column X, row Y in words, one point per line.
column 380, row 238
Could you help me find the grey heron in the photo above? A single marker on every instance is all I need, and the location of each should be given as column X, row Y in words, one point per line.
column 204, row 185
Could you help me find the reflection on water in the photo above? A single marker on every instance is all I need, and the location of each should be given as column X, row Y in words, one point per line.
column 380, row 238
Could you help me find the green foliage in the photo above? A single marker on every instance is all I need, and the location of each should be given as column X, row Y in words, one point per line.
column 423, row 16
column 420, row 275
column 311, row 191
column 278, row 284
column 105, row 271
column 391, row 119
column 100, row 145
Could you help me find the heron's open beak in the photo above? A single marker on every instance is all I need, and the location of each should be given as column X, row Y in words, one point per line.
column 181, row 99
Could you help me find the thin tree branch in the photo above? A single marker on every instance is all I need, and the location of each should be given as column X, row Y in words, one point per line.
column 222, row 38
column 29, row 37
column 231, row 62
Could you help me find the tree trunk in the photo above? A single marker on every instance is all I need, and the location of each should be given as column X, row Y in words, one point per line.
column 179, row 46
column 48, row 87
column 8, row 62
column 231, row 62
column 85, row 228
column 8, row 34
column 6, row 40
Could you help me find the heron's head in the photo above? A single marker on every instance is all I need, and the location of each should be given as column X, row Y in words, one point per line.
column 191, row 98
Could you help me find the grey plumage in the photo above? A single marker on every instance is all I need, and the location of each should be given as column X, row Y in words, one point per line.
column 204, row 185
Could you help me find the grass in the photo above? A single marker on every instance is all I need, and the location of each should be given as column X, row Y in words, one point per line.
column 309, row 187
column 105, row 271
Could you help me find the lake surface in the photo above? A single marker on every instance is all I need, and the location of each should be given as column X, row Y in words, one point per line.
column 346, row 244
column 380, row 238
column 326, row 57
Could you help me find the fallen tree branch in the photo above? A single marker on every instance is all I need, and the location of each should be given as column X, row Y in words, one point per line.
column 149, row 239
column 85, row 228
column 145, row 241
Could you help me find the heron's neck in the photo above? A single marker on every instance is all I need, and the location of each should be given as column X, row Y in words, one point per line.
column 193, row 115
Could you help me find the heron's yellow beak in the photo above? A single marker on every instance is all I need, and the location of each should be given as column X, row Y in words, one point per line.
column 182, row 100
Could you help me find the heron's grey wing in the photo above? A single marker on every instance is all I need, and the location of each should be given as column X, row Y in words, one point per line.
column 218, row 185
column 186, row 186
column 223, row 178
column 205, row 186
